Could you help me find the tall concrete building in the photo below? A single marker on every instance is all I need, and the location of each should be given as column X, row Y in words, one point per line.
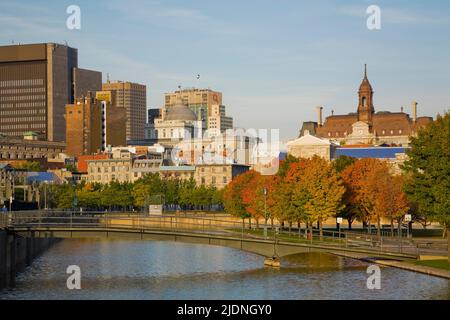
column 36, row 82
column 206, row 104
column 133, row 98
column 93, row 125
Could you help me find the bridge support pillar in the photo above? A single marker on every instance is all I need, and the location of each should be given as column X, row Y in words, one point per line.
column 273, row 262
column 10, row 276
column 448, row 246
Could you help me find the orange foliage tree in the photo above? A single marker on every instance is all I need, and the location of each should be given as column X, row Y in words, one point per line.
column 374, row 191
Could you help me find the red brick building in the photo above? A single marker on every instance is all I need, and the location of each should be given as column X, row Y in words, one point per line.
column 367, row 126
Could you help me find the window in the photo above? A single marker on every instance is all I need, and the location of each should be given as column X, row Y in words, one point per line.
column 225, row 180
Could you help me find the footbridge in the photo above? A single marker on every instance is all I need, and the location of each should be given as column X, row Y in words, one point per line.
column 208, row 230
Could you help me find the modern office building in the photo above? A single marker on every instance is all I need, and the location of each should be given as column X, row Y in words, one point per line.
column 85, row 81
column 205, row 103
column 36, row 82
column 133, row 98
column 218, row 122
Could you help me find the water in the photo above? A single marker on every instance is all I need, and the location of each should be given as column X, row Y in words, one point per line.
column 164, row 270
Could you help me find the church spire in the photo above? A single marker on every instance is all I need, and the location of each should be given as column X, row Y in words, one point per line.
column 365, row 71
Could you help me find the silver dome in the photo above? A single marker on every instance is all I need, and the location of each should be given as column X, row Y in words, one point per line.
column 180, row 112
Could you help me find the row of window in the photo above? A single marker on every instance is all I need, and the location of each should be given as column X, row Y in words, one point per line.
column 16, row 83
column 383, row 132
column 23, row 119
column 106, row 169
column 26, row 126
column 20, row 112
column 23, row 98
column 106, row 178
column 22, row 90
column 23, row 105
column 214, row 180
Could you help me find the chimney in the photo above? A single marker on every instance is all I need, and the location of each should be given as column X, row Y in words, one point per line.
column 319, row 115
column 414, row 111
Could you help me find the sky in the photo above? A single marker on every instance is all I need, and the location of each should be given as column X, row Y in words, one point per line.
column 274, row 60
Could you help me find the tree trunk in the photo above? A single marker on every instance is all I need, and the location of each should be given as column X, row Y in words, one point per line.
column 257, row 223
column 272, row 223
column 319, row 222
column 306, row 230
column 392, row 228
column 444, row 232
column 250, row 223
column 350, row 221
column 379, row 227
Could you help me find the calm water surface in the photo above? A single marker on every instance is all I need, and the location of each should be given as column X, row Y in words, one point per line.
column 164, row 270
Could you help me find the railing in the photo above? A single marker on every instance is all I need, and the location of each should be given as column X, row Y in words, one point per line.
column 207, row 225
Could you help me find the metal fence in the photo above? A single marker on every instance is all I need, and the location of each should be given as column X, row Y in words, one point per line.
column 219, row 226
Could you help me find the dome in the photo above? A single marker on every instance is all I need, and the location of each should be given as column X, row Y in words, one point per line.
column 180, row 112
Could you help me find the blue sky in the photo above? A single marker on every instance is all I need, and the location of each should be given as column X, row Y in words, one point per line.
column 273, row 60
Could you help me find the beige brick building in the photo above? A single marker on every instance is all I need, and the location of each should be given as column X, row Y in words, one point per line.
column 133, row 98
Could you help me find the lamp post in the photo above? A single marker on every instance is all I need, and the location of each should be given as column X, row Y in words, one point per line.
column 265, row 212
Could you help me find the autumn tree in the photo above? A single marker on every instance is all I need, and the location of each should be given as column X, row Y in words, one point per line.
column 325, row 190
column 369, row 190
column 233, row 197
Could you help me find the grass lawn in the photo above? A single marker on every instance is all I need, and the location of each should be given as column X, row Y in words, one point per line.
column 439, row 264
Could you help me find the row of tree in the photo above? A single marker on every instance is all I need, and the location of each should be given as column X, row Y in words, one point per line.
column 313, row 190
column 150, row 189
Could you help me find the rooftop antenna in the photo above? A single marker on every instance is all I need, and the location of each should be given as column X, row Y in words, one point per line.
column 107, row 77
column 365, row 71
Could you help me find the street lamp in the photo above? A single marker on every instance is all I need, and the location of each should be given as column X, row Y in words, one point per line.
column 265, row 212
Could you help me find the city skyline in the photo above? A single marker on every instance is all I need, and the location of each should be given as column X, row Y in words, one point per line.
column 291, row 57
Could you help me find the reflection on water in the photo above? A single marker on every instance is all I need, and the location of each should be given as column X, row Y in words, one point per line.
column 164, row 270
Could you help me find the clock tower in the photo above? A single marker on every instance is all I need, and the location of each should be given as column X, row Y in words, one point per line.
column 365, row 106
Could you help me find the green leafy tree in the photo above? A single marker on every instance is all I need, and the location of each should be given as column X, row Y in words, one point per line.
column 32, row 166
column 429, row 168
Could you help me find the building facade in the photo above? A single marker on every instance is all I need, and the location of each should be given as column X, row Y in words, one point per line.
column 29, row 148
column 36, row 82
column 367, row 126
column 205, row 103
column 133, row 98
column 93, row 125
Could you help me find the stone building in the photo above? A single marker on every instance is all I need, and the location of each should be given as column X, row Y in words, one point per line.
column 367, row 126
column 29, row 148
column 309, row 146
column 218, row 175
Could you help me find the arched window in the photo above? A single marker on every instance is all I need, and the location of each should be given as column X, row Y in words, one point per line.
column 364, row 101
